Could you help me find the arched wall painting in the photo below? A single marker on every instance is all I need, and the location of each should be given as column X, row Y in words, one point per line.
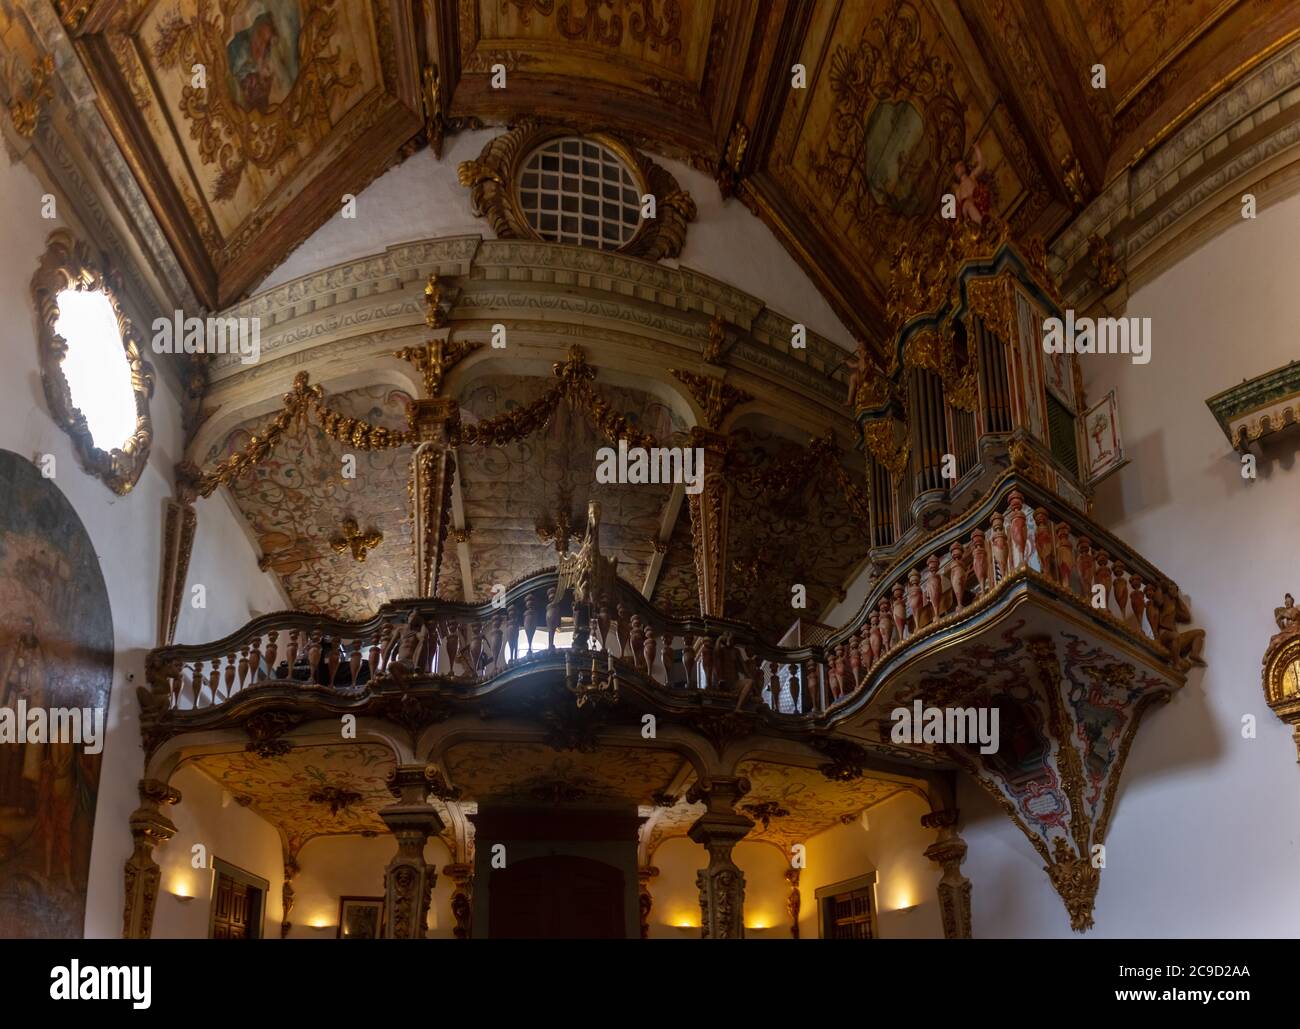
column 56, row 651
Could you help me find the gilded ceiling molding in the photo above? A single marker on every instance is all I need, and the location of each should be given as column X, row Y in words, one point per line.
column 1186, row 188
column 25, row 107
column 354, row 541
column 492, row 180
column 68, row 263
column 179, row 524
column 1281, row 672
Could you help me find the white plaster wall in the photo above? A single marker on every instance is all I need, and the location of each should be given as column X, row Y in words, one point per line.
column 421, row 199
column 675, row 914
column 893, row 846
column 331, row 867
column 1203, row 841
column 126, row 532
column 225, row 830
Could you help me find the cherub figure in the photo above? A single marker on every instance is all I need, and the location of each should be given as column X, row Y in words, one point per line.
column 1287, row 616
column 972, row 193
column 860, row 365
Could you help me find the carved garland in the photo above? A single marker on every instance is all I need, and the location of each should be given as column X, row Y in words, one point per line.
column 68, row 264
column 492, row 180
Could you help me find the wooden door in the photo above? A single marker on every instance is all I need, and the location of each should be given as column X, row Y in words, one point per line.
column 557, row 897
column 236, row 909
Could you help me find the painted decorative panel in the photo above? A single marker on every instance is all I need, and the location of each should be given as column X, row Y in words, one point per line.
column 56, row 651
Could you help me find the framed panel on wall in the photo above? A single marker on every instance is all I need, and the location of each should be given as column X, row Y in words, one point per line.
column 360, row 918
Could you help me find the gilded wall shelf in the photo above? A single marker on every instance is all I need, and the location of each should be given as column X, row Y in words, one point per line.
column 1264, row 406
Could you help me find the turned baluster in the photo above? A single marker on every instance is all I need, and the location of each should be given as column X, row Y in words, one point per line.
column 451, row 645
column 476, row 643
column 933, row 590
column 855, row 661
column 899, row 610
column 1043, row 542
column 603, row 622
column 214, row 681
column 864, row 647
column 1102, row 578
column 705, row 655
column 1064, row 552
column 272, row 652
column 647, row 646
column 840, row 679
column 376, row 648
column 334, row 659
column 553, row 603
column 620, row 630
column 313, row 656
column 495, row 641
column 636, row 644
column 957, row 575
column 255, row 658
column 530, row 619
column 1018, row 528
column 1086, row 566
column 198, row 676
column 1155, row 602
column 1138, row 600
column 688, row 659
column 659, row 673
column 979, row 560
column 512, row 632
column 354, row 660
column 885, row 621
column 229, row 676
column 291, row 652
column 1121, row 588
column 998, row 544
column 914, row 599
column 874, row 638
column 243, row 666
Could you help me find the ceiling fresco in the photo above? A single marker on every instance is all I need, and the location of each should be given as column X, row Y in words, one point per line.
column 313, row 791
column 900, row 102
column 296, row 501
column 239, row 117
column 533, row 773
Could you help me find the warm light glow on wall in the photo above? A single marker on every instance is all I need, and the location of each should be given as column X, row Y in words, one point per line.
column 321, row 922
column 685, row 920
column 182, row 887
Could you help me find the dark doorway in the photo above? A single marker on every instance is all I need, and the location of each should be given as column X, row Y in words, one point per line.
column 558, row 897
column 237, row 901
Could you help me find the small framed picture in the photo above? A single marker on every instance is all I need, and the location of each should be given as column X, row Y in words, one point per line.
column 361, row 918
column 1105, row 448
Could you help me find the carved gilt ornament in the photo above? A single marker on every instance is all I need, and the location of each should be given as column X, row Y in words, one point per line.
column 69, row 265
column 493, row 180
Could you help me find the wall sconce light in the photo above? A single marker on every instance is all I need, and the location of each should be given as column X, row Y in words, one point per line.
column 907, row 910
column 184, row 898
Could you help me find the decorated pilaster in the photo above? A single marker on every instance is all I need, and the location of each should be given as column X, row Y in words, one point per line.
column 286, row 892
column 433, row 420
column 462, row 898
column 948, row 852
column 719, row 829
column 644, row 875
column 709, row 508
column 408, row 879
column 149, row 828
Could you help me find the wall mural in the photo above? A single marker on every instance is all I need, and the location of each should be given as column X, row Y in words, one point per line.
column 56, row 651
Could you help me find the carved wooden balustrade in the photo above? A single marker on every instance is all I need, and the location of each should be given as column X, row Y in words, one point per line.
column 1021, row 533
column 469, row 646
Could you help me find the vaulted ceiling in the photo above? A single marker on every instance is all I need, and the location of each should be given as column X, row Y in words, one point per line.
column 845, row 160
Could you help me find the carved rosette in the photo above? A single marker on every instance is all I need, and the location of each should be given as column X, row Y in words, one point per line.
column 492, row 180
column 408, row 879
column 149, row 828
column 68, row 263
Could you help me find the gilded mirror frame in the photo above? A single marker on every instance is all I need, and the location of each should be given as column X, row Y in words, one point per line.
column 68, row 263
